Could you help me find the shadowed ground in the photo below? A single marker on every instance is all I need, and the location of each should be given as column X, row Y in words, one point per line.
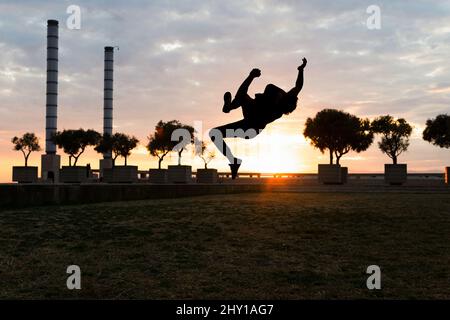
column 262, row 245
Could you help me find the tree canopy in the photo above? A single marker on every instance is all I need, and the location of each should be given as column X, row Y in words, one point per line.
column 105, row 145
column 338, row 132
column 75, row 142
column 395, row 135
column 169, row 136
column 437, row 131
column 26, row 144
column 120, row 144
column 123, row 145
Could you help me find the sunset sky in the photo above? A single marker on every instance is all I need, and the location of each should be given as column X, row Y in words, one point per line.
column 177, row 58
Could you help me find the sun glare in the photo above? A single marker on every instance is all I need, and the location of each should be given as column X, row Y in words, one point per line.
column 272, row 153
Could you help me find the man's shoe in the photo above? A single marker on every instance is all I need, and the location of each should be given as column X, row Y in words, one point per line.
column 234, row 169
column 227, row 102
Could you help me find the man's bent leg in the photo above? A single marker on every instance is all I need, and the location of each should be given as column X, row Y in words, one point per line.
column 239, row 129
column 240, row 100
column 242, row 96
column 227, row 107
column 217, row 137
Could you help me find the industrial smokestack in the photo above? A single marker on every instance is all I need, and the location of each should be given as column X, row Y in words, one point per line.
column 52, row 86
column 108, row 95
column 50, row 161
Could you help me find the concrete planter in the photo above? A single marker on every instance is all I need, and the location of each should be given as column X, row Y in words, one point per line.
column 207, row 176
column 25, row 174
column 158, row 176
column 50, row 167
column 330, row 174
column 121, row 174
column 447, row 175
column 105, row 164
column 76, row 174
column 344, row 175
column 395, row 174
column 180, row 174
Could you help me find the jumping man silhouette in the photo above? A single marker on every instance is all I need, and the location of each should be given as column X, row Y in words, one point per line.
column 258, row 112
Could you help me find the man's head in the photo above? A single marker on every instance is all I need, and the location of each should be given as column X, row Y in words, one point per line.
column 288, row 103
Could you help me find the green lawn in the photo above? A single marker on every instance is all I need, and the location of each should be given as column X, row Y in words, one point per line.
column 249, row 246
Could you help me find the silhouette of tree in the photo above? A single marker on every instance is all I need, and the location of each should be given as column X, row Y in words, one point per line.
column 119, row 144
column 105, row 145
column 26, row 144
column 338, row 132
column 206, row 155
column 75, row 142
column 395, row 135
column 437, row 131
column 122, row 145
column 162, row 142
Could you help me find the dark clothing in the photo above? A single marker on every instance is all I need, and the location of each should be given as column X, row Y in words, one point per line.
column 263, row 109
column 257, row 112
column 249, row 129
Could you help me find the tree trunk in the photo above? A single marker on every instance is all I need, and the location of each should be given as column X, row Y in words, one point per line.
column 159, row 163
column 206, row 165
column 338, row 158
column 331, row 156
column 26, row 161
column 70, row 161
column 394, row 159
column 125, row 161
column 75, row 162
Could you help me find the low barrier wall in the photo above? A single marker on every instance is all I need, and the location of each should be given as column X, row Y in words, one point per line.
column 21, row 195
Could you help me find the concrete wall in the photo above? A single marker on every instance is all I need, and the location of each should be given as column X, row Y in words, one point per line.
column 21, row 195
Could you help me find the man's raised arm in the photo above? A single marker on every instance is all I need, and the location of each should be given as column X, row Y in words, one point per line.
column 243, row 89
column 299, row 82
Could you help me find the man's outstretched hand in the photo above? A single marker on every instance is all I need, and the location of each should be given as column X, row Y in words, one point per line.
column 255, row 73
column 303, row 64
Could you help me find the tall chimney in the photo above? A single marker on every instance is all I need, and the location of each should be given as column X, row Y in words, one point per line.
column 52, row 86
column 108, row 95
column 50, row 161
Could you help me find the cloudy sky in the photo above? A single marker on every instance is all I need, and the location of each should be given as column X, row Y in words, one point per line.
column 177, row 58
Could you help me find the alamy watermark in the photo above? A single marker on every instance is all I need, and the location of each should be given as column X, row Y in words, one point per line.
column 374, row 20
column 73, row 21
column 74, row 280
column 374, row 280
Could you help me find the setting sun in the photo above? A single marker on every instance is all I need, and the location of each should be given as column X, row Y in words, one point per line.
column 273, row 152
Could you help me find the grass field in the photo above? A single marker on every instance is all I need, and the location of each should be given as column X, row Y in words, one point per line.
column 249, row 246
